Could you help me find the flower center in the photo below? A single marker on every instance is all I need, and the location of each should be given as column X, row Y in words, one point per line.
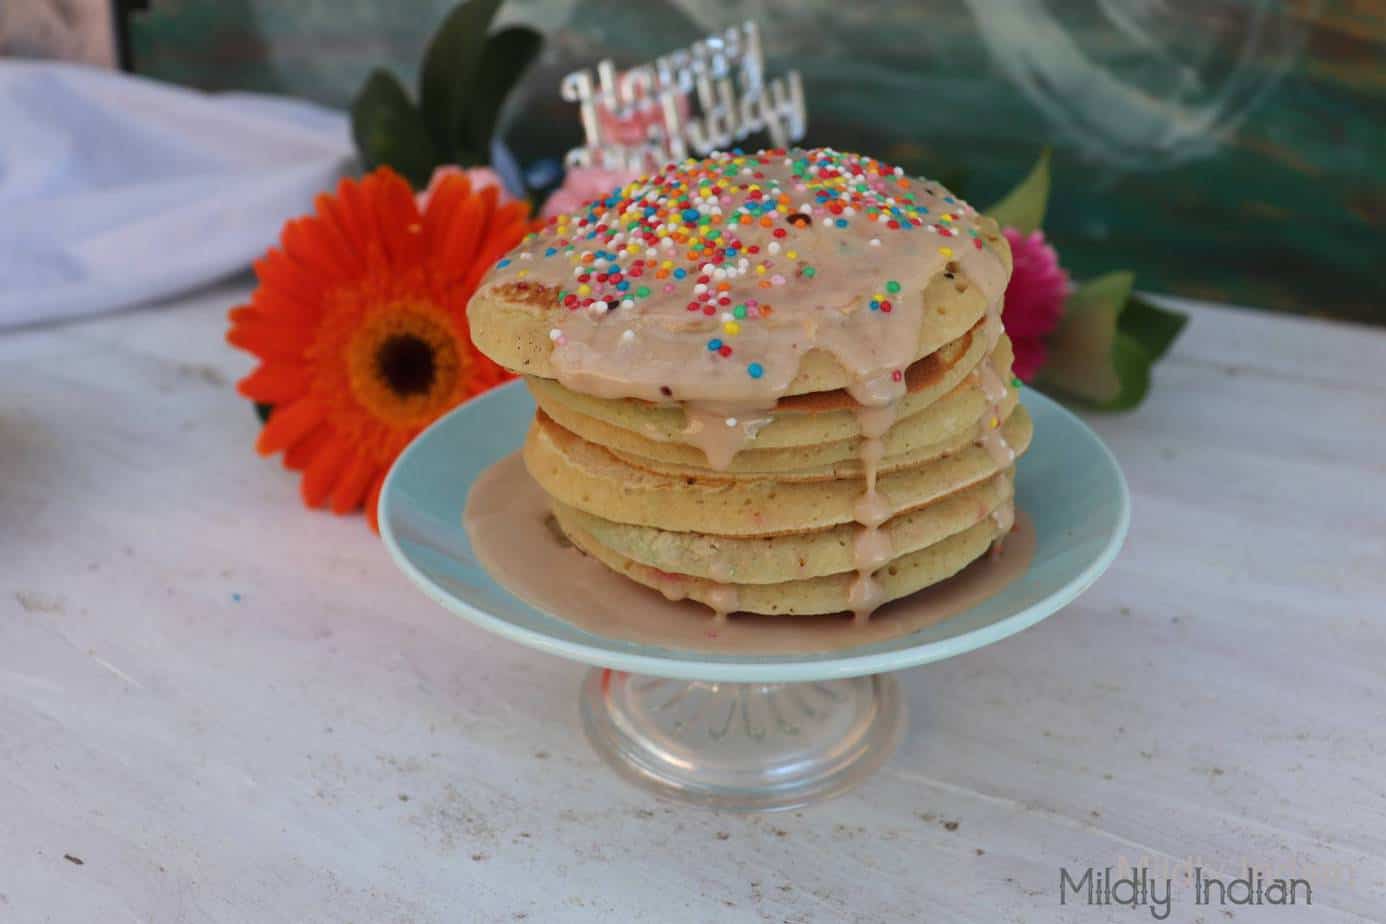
column 404, row 364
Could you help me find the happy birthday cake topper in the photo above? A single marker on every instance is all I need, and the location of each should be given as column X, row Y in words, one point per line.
column 643, row 118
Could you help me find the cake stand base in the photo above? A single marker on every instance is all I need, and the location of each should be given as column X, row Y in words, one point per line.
column 747, row 747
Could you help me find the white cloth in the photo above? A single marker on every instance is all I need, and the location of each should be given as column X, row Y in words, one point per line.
column 116, row 190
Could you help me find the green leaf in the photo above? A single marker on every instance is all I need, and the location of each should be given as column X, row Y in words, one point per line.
column 1090, row 358
column 446, row 77
column 389, row 130
column 1132, row 365
column 1103, row 292
column 503, row 61
column 1153, row 327
column 1023, row 207
column 263, row 411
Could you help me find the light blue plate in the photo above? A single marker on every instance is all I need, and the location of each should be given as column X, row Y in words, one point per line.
column 1068, row 483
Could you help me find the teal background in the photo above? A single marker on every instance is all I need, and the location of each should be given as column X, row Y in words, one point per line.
column 1226, row 150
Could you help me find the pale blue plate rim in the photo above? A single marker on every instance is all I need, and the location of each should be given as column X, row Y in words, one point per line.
column 1057, row 430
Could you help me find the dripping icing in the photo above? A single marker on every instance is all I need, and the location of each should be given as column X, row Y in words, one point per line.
column 879, row 398
column 721, row 430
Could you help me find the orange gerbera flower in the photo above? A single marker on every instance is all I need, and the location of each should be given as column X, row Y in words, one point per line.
column 359, row 322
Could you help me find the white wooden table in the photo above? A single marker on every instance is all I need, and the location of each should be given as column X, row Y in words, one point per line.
column 216, row 706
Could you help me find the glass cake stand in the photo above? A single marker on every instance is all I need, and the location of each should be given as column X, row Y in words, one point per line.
column 748, row 733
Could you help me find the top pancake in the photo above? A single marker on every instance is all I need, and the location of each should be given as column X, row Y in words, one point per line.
column 744, row 278
column 511, row 323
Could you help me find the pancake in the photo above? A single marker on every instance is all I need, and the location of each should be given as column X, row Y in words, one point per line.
column 924, row 434
column 588, row 477
column 745, row 278
column 798, row 419
column 909, row 448
column 795, row 556
column 831, row 594
column 511, row 323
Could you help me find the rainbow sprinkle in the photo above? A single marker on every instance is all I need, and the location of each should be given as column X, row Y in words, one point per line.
column 719, row 234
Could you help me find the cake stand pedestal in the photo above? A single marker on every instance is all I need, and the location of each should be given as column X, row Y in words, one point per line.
column 742, row 746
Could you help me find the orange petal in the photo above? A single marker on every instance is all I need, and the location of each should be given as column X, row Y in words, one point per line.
column 491, row 197
column 443, row 202
column 275, row 383
column 497, row 246
column 287, row 425
column 336, row 212
column 264, row 344
column 373, row 502
column 299, row 291
column 507, row 214
column 355, row 263
column 355, row 481
column 244, row 313
column 355, row 215
column 322, row 473
column 279, row 307
column 460, row 182
column 460, row 237
column 298, row 456
column 445, row 199
column 270, row 341
column 401, row 225
column 309, row 242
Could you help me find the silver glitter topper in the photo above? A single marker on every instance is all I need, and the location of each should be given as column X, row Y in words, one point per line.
column 643, row 118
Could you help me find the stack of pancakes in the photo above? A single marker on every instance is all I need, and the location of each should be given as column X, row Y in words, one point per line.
column 800, row 401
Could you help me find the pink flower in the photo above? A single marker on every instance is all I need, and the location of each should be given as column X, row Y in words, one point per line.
column 580, row 186
column 480, row 177
column 1034, row 298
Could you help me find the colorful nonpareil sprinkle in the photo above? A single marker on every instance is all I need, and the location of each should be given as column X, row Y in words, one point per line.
column 718, row 235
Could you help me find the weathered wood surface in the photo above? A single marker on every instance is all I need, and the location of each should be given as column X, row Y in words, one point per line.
column 231, row 710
